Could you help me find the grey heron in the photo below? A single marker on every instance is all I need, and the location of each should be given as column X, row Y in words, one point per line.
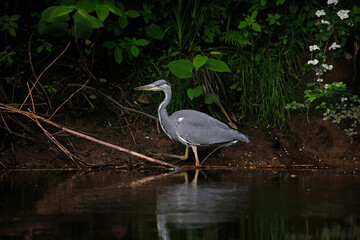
column 190, row 127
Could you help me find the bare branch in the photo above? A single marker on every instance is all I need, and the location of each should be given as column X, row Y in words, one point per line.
column 37, row 79
column 69, row 98
column 32, row 116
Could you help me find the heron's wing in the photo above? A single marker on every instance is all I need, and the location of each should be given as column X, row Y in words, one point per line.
column 197, row 128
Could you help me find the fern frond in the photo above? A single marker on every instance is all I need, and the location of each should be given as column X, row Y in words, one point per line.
column 235, row 38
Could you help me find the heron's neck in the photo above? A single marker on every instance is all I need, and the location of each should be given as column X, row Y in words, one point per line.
column 163, row 115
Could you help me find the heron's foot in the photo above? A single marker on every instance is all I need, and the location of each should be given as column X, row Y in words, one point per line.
column 181, row 157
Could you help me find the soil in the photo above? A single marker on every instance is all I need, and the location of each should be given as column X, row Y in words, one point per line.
column 308, row 144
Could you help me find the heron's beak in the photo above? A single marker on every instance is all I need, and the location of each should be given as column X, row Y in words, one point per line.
column 145, row 87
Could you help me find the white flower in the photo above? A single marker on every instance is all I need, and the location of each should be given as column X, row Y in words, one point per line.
column 326, row 86
column 313, row 62
column 343, row 99
column 327, row 67
column 343, row 14
column 334, row 46
column 320, row 80
column 313, row 48
column 332, row 2
column 320, row 13
column 319, row 71
column 325, row 22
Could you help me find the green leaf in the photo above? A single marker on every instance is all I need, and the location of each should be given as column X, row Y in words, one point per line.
column 12, row 31
column 118, row 54
column 114, row 9
column 92, row 96
column 181, row 68
column 134, row 50
column 254, row 14
column 5, row 26
column 82, row 30
column 217, row 65
column 102, row 11
column 103, row 80
column 14, row 105
column 48, row 47
column 155, row 31
column 141, row 42
column 199, row 60
column 86, row 19
column 87, row 5
column 210, row 98
column 54, row 29
column 123, row 21
column 263, row 2
column 132, row 13
column 194, row 92
column 46, row 15
column 9, row 60
column 109, row 45
column 256, row 27
column 13, row 24
column 14, row 18
column 39, row 49
column 61, row 10
column 88, row 51
column 242, row 24
column 277, row 16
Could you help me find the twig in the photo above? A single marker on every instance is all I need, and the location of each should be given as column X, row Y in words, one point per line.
column 136, row 154
column 31, row 97
column 132, row 135
column 68, row 99
column 30, row 59
column 37, row 79
column 52, row 138
column 4, row 51
column 46, row 95
column 88, row 100
column 7, row 127
column 116, row 102
column 82, row 56
column 211, row 153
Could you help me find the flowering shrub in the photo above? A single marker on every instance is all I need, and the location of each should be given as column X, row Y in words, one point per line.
column 333, row 29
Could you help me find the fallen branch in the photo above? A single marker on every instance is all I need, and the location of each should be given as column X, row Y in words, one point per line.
column 33, row 116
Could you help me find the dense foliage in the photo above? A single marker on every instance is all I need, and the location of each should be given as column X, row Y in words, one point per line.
column 244, row 57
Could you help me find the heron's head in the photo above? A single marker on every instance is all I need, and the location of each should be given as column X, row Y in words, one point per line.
column 159, row 85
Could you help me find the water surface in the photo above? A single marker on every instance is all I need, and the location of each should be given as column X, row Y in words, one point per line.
column 226, row 204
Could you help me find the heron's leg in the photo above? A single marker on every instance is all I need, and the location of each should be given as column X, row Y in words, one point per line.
column 194, row 148
column 181, row 157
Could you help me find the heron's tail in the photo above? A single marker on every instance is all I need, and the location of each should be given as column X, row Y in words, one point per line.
column 242, row 137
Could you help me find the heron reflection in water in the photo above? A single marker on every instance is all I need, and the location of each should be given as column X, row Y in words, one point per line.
column 199, row 204
column 192, row 128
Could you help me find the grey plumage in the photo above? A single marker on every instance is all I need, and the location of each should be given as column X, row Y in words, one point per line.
column 192, row 128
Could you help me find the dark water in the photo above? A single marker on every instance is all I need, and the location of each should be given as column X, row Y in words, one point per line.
column 241, row 204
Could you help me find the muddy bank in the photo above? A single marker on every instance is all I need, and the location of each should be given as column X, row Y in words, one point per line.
column 315, row 142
